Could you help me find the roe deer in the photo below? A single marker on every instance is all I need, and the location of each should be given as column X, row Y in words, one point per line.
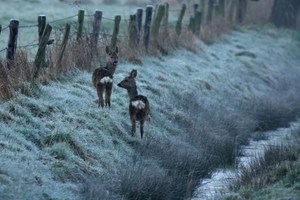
column 139, row 108
column 103, row 77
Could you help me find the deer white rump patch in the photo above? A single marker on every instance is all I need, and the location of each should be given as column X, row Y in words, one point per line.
column 139, row 104
column 106, row 79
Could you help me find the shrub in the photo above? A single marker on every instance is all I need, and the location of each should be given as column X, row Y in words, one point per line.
column 145, row 180
column 257, row 174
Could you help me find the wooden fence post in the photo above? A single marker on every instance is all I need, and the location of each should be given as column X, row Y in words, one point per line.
column 178, row 26
column 80, row 24
column 241, row 10
column 148, row 19
column 12, row 41
column 232, row 11
column 139, row 18
column 96, row 29
column 41, row 25
column 195, row 20
column 132, row 30
column 114, row 37
column 166, row 18
column 157, row 20
column 39, row 60
column 210, row 11
column 220, row 8
column 198, row 16
column 64, row 43
column 201, row 6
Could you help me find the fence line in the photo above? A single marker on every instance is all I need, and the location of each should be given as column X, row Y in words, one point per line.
column 193, row 24
column 3, row 49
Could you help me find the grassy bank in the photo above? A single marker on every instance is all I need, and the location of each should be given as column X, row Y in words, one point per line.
column 57, row 144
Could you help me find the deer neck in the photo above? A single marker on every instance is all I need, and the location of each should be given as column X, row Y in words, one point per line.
column 111, row 67
column 132, row 92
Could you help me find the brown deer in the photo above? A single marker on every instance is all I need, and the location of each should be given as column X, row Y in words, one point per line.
column 139, row 108
column 103, row 77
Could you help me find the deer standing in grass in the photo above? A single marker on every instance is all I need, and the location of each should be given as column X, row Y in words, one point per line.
column 139, row 108
column 103, row 77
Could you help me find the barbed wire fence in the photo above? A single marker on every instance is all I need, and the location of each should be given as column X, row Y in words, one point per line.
column 106, row 30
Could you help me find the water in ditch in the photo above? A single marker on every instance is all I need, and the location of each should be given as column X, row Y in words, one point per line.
column 217, row 184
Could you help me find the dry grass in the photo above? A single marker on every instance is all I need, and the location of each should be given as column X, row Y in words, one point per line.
column 214, row 30
column 6, row 90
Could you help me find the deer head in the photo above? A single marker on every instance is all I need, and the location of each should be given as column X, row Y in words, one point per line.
column 129, row 84
column 112, row 60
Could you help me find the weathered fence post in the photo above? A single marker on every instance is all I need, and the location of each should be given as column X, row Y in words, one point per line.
column 114, row 37
column 157, row 20
column 39, row 60
column 201, row 6
column 232, row 11
column 197, row 21
column 80, row 24
column 191, row 26
column 166, row 18
column 41, row 25
column 241, row 10
column 139, row 18
column 220, row 8
column 148, row 19
column 96, row 29
column 210, row 11
column 12, row 41
column 132, row 30
column 64, row 43
column 179, row 21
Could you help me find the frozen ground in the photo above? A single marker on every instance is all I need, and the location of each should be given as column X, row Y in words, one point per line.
column 66, row 108
column 49, row 140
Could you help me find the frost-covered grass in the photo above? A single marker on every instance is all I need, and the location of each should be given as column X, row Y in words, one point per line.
column 56, row 143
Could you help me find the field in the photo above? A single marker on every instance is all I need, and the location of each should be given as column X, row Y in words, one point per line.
column 55, row 143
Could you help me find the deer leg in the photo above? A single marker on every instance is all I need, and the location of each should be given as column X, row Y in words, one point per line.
column 133, row 125
column 142, row 128
column 100, row 96
column 108, row 94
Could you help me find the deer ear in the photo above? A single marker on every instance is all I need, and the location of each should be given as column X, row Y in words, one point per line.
column 107, row 49
column 133, row 73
